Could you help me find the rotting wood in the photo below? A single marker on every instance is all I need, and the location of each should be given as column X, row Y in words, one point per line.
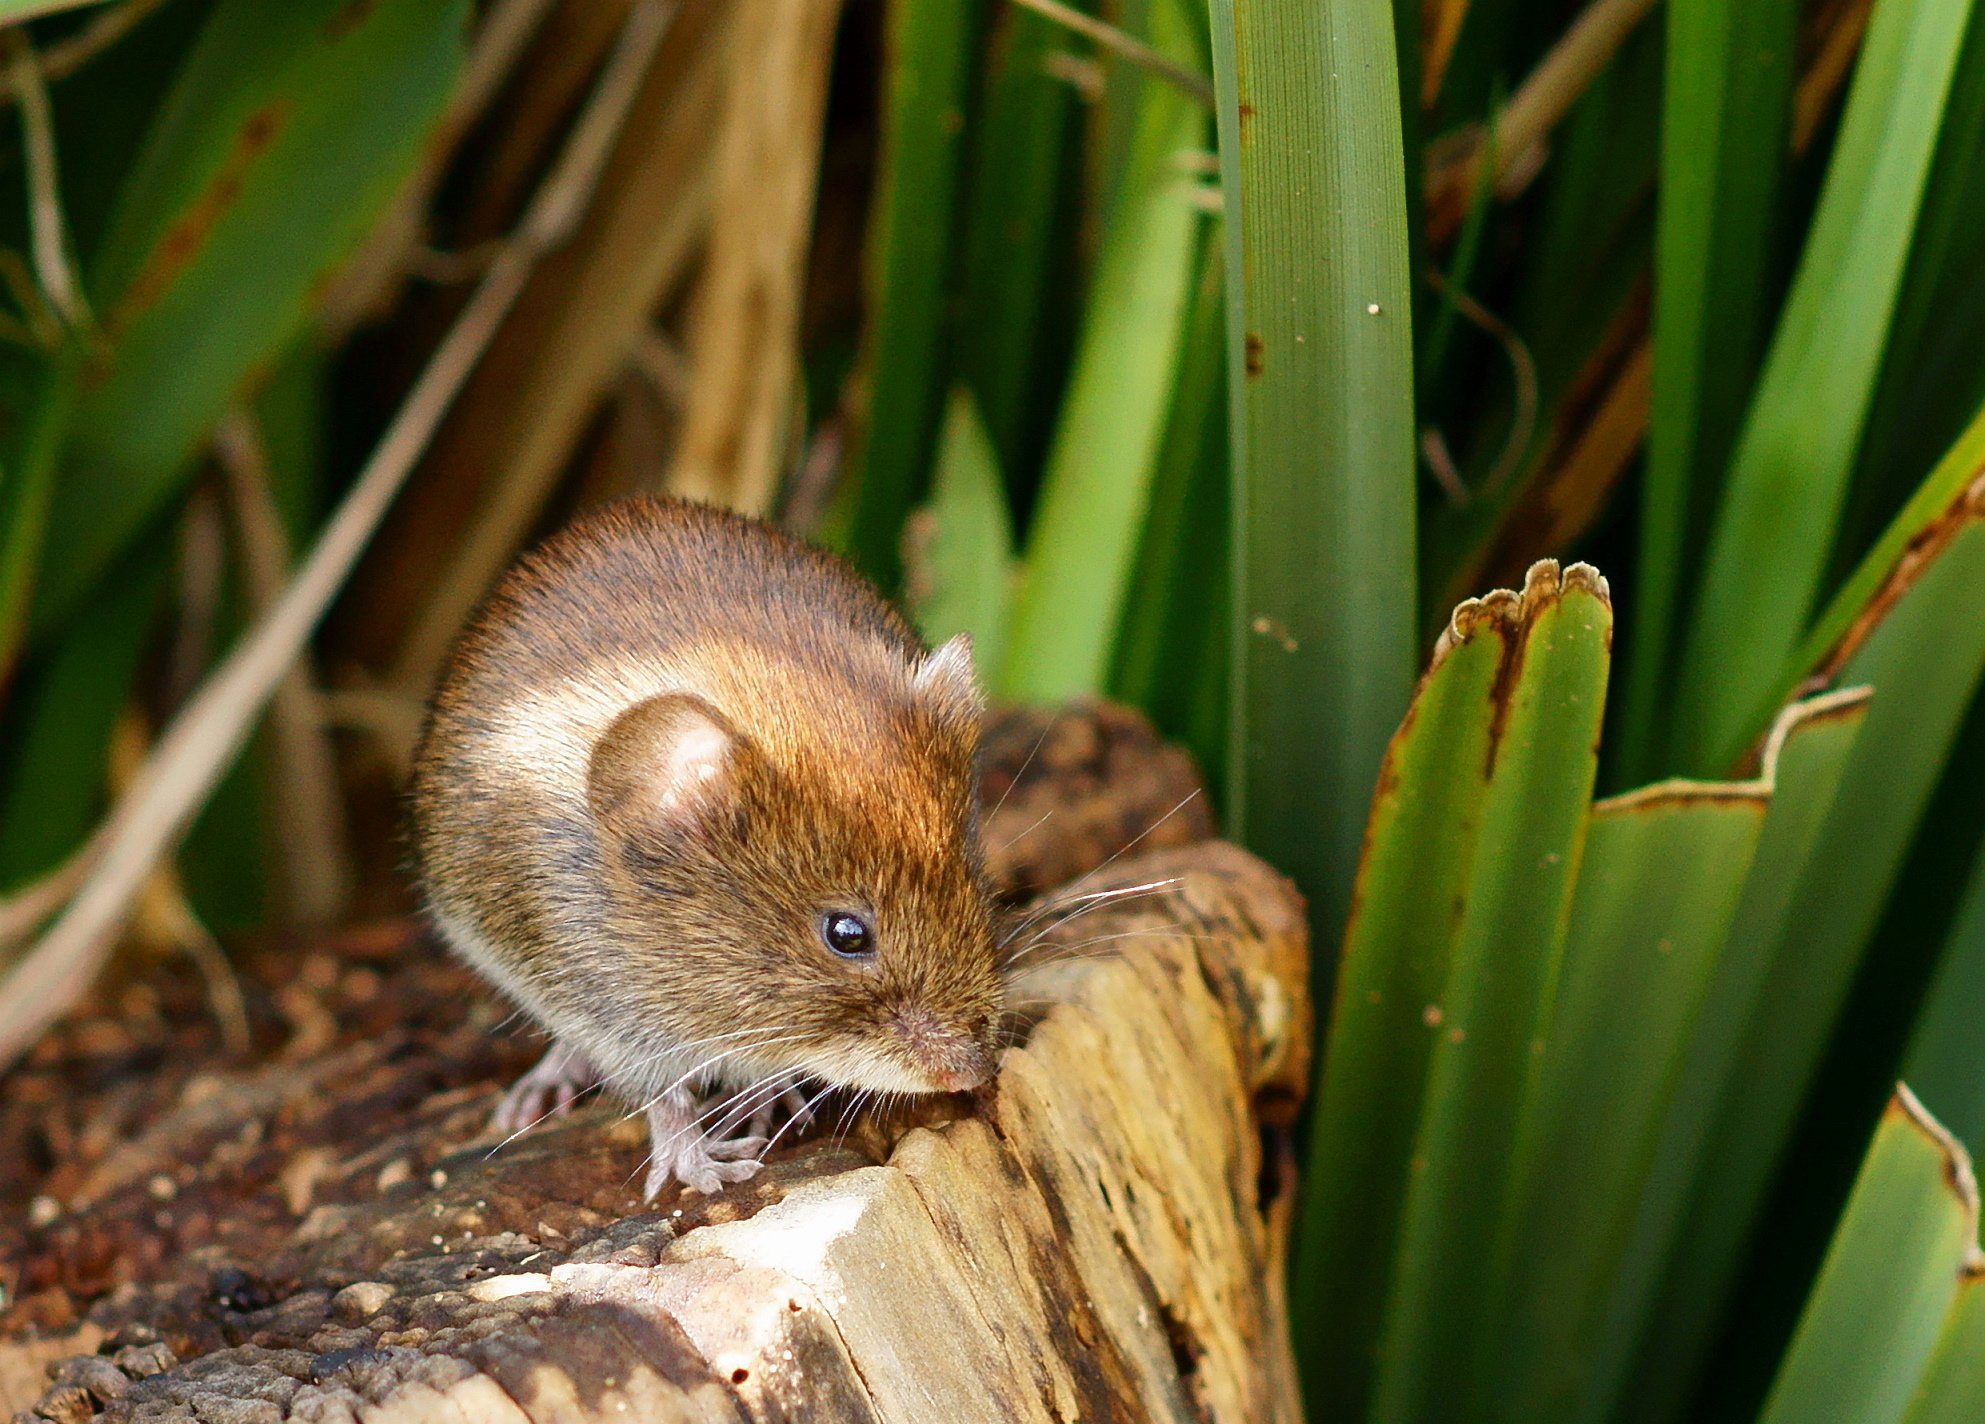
column 323, row 1235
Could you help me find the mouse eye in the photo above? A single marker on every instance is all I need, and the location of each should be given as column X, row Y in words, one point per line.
column 847, row 934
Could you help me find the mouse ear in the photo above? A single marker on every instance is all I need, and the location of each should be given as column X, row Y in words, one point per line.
column 945, row 681
column 663, row 765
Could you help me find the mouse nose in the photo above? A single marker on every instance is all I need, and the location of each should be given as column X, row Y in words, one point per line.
column 971, row 1064
column 953, row 1059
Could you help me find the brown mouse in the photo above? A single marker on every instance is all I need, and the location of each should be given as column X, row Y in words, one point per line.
column 702, row 804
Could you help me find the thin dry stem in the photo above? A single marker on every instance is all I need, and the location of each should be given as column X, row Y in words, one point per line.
column 1129, row 46
column 1827, row 72
column 571, row 343
column 1440, row 27
column 661, row 363
column 391, row 719
column 745, row 314
column 1523, row 369
column 1440, row 461
column 813, row 483
column 367, row 279
column 23, row 912
column 202, row 740
column 162, row 918
column 53, row 272
column 109, row 26
column 202, row 579
column 1532, row 112
column 311, row 841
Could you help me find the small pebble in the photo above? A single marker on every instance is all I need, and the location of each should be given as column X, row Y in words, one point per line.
column 142, row 1361
column 393, row 1173
column 44, row 1211
column 94, row 1373
column 361, row 1300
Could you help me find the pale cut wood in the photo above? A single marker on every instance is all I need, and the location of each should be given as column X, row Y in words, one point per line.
column 1096, row 1235
column 744, row 319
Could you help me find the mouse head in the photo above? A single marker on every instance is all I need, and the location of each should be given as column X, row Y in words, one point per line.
column 805, row 916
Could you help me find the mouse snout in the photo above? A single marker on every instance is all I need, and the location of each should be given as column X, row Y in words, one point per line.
column 972, row 1069
column 953, row 1057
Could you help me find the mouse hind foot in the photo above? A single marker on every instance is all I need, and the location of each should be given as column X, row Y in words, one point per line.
column 680, row 1150
column 548, row 1089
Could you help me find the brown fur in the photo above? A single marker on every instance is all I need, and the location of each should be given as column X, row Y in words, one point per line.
column 653, row 924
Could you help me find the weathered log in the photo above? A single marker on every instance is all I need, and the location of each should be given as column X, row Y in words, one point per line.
column 1097, row 1234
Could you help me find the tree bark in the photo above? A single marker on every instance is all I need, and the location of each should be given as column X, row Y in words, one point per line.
column 1100, row 1233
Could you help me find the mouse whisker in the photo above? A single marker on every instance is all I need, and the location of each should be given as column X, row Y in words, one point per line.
column 676, row 1051
column 695, row 1125
column 850, row 1111
column 681, row 1083
column 804, row 1114
column 1132, row 843
column 1039, row 742
column 1092, row 897
column 756, row 1037
column 548, row 1113
column 753, row 1100
column 732, row 1111
column 1175, row 928
column 1047, row 951
column 1014, row 841
column 1076, row 907
column 723, row 1037
column 707, row 1064
column 1073, row 907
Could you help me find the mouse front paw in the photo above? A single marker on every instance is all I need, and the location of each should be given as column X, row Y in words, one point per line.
column 678, row 1149
column 707, row 1166
column 550, row 1087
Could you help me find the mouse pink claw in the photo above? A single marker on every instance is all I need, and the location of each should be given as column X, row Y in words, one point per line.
column 679, row 1149
column 550, row 1087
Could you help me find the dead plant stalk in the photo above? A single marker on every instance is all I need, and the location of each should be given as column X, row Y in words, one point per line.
column 202, row 740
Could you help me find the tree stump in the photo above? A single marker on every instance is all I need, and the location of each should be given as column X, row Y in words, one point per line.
column 326, row 1235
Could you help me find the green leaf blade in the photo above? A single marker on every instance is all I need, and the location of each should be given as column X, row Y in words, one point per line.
column 927, row 86
column 1492, row 1019
column 1953, row 1387
column 1321, row 389
column 1946, row 1058
column 1083, row 543
column 1015, row 226
column 1171, row 653
column 284, row 135
column 1918, row 641
column 1874, row 1318
column 1412, row 881
column 1789, row 474
column 1658, row 888
column 1726, row 109
column 1659, row 979
column 961, row 579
